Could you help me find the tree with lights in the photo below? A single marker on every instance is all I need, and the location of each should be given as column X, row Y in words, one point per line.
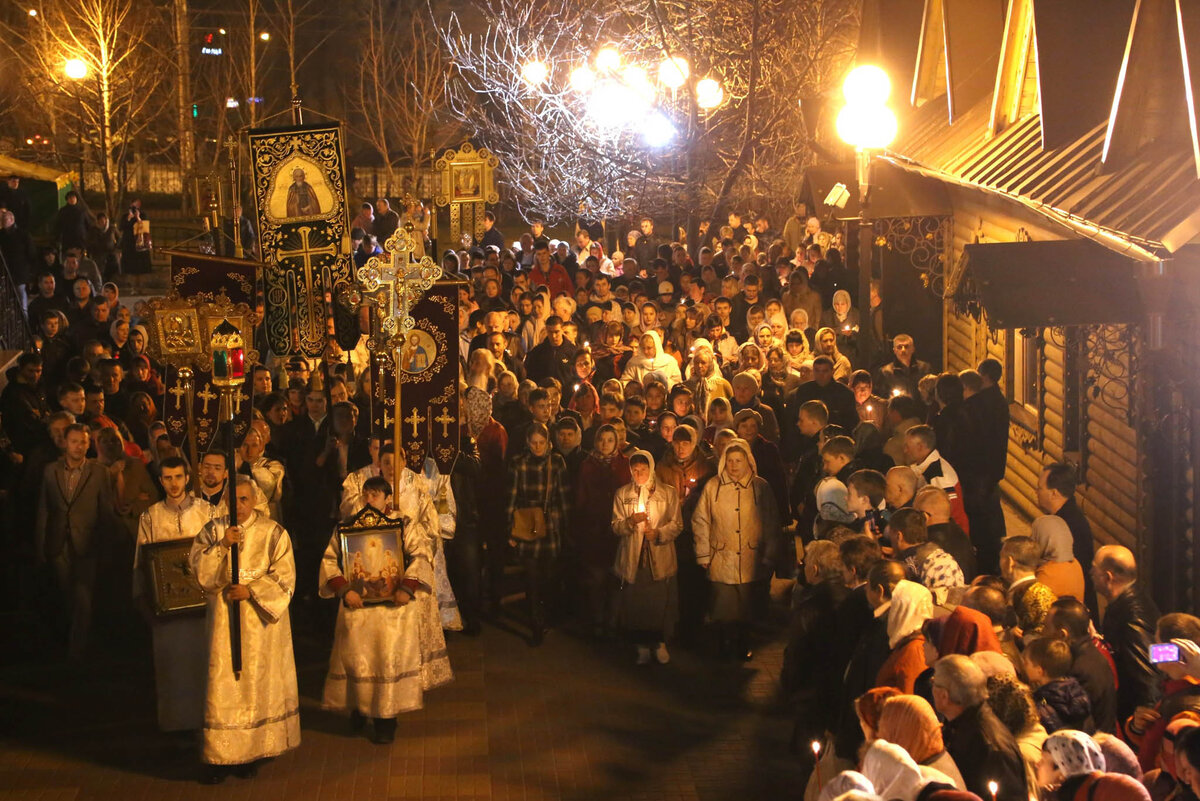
column 91, row 68
column 609, row 108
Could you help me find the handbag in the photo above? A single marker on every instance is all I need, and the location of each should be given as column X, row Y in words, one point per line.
column 529, row 522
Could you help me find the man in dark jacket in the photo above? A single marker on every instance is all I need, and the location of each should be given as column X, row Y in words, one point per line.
column 810, row 675
column 904, row 371
column 554, row 357
column 23, row 406
column 1068, row 619
column 1056, row 496
column 17, row 254
column 837, row 397
column 981, row 746
column 72, row 223
column 1128, row 628
column 386, row 221
column 987, row 409
column 491, row 234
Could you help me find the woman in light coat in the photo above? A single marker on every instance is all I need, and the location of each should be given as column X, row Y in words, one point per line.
column 736, row 530
column 651, row 362
column 646, row 520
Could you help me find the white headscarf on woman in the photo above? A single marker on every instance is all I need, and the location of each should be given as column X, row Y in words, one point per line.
column 1053, row 536
column 647, row 489
column 846, row 782
column 1074, row 752
column 895, row 774
column 912, row 605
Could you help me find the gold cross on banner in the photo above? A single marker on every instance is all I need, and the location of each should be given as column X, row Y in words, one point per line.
column 387, row 418
column 207, row 395
column 238, row 397
column 313, row 294
column 178, row 391
column 445, row 419
column 415, row 419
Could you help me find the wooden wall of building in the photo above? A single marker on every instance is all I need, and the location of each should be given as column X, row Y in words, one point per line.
column 1105, row 443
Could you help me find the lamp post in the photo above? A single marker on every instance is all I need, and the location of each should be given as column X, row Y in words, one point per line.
column 76, row 69
column 869, row 125
column 228, row 375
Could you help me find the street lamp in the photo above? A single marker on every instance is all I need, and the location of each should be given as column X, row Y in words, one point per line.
column 228, row 376
column 673, row 72
column 609, row 58
column 76, row 69
column 709, row 94
column 535, row 72
column 265, row 36
column 869, row 125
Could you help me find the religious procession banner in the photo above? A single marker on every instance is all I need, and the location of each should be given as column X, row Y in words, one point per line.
column 207, row 277
column 429, row 421
column 299, row 181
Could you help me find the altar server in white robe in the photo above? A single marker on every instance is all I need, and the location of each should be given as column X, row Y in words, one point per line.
column 180, row 645
column 437, row 487
column 375, row 667
column 258, row 715
column 352, row 486
column 417, row 505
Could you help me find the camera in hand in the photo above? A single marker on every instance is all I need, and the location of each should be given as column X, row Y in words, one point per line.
column 1161, row 652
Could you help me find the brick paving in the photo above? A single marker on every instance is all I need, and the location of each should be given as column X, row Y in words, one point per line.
column 571, row 720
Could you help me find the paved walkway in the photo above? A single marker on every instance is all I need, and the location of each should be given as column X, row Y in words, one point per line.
column 571, row 720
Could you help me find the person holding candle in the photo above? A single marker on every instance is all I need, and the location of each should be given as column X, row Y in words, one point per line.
column 736, row 531
column 602, row 473
column 646, row 519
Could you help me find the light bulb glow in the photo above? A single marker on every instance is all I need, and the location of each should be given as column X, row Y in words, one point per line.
column 265, row 36
column 658, row 130
column 673, row 72
column 609, row 58
column 867, row 85
column 582, row 78
column 612, row 104
column 76, row 69
column 535, row 72
column 636, row 79
column 867, row 126
column 709, row 94
column 33, row 12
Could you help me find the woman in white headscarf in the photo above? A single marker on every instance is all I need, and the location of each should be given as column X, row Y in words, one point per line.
column 912, row 605
column 651, row 361
column 646, row 520
column 1067, row 753
column 736, row 530
column 1059, row 569
column 895, row 775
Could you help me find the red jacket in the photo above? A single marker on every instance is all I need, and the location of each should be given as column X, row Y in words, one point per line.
column 557, row 280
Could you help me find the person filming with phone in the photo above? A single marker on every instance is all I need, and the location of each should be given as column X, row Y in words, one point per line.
column 1180, row 692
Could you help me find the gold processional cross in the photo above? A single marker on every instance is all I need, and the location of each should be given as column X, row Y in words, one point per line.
column 207, row 395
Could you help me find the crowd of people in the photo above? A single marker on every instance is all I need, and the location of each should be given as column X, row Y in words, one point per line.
column 651, row 440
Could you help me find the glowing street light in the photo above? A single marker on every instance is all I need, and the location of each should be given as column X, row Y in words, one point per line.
column 636, row 79
column 535, row 72
column 673, row 72
column 265, row 36
column 76, row 69
column 867, row 127
column 609, row 58
column 582, row 78
column 33, row 12
column 709, row 94
column 657, row 131
column 867, row 85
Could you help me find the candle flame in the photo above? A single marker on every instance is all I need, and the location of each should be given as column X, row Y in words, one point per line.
column 816, row 747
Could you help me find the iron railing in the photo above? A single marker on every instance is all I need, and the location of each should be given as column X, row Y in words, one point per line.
column 15, row 333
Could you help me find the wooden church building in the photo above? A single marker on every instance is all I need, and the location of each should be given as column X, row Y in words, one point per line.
column 1041, row 205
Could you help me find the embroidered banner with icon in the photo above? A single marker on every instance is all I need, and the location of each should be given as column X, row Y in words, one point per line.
column 299, row 185
column 429, row 388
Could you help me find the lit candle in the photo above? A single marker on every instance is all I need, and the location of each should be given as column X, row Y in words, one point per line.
column 816, row 749
column 993, row 788
column 897, row 392
column 869, row 409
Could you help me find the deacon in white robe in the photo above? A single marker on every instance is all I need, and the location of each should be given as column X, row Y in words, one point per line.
column 258, row 715
column 180, row 644
column 437, row 486
column 375, row 669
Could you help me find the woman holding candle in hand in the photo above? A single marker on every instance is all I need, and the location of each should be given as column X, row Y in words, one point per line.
column 646, row 519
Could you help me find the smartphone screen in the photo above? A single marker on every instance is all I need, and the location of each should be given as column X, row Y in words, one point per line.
column 1163, row 652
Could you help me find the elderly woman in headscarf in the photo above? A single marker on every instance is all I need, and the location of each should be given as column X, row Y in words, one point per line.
column 736, row 530
column 827, row 345
column 912, row 605
column 894, row 773
column 1059, row 569
column 646, row 519
column 651, row 362
column 1068, row 757
column 704, row 377
column 800, row 295
column 844, row 320
column 911, row 723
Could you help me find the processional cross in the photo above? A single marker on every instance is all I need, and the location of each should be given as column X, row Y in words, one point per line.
column 206, row 396
column 393, row 283
column 314, row 300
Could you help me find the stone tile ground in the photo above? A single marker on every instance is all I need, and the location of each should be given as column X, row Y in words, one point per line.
column 571, row 720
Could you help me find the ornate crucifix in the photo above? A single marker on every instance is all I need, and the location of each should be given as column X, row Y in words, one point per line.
column 415, row 419
column 206, row 396
column 178, row 391
column 445, row 419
